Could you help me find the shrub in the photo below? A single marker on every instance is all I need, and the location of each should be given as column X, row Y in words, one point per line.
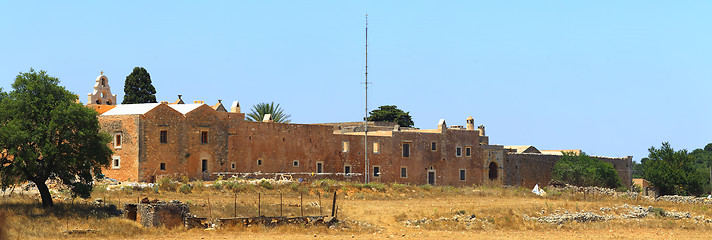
column 426, row 187
column 217, row 185
column 266, row 184
column 166, row 184
column 185, row 188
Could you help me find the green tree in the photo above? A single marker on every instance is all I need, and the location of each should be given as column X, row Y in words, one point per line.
column 261, row 109
column 582, row 170
column 46, row 135
column 673, row 172
column 138, row 87
column 391, row 113
column 638, row 170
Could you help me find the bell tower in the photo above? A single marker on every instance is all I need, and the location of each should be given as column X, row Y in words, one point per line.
column 102, row 92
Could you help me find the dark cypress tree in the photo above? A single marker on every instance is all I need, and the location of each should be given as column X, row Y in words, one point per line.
column 138, row 87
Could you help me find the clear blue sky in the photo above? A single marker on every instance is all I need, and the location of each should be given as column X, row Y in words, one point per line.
column 609, row 77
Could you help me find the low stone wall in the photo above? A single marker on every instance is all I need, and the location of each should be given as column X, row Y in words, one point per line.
column 169, row 214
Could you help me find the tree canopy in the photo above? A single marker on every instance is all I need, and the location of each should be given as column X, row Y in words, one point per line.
column 45, row 134
column 673, row 172
column 138, row 87
column 391, row 113
column 582, row 170
column 261, row 109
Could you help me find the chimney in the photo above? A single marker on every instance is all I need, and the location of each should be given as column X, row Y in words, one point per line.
column 267, row 118
column 235, row 107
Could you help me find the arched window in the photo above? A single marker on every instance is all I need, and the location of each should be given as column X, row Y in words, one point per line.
column 103, row 82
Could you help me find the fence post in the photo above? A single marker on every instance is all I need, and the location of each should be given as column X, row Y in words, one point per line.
column 333, row 206
column 301, row 204
column 259, row 202
column 235, row 204
column 210, row 209
column 318, row 193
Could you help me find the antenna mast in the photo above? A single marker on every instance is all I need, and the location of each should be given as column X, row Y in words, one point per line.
column 365, row 119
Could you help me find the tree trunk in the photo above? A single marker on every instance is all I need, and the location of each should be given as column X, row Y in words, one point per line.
column 44, row 193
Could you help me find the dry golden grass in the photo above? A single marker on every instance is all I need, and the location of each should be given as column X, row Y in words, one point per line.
column 367, row 212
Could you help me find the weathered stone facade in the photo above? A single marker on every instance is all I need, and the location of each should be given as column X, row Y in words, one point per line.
column 529, row 169
column 199, row 142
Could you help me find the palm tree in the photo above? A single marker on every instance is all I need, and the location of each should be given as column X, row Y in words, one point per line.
column 261, row 109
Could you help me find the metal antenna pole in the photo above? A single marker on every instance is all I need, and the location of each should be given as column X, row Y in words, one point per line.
column 365, row 119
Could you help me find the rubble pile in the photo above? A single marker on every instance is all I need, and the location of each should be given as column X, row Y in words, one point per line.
column 636, row 212
column 466, row 220
column 684, row 199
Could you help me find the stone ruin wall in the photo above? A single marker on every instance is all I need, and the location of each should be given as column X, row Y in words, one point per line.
column 527, row 169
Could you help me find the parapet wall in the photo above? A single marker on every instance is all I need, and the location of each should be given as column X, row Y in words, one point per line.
column 529, row 169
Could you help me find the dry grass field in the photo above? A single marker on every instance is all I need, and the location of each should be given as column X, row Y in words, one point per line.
column 374, row 211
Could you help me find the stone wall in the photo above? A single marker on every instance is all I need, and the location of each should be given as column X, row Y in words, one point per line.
column 236, row 146
column 529, row 169
column 167, row 214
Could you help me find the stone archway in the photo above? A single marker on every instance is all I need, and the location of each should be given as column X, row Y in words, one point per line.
column 493, row 171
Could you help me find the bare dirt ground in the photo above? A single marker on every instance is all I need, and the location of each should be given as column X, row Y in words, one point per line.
column 378, row 214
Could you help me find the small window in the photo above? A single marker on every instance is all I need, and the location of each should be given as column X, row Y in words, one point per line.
column 376, row 147
column 163, row 166
column 116, row 163
column 433, row 146
column 404, row 172
column 232, row 166
column 462, row 174
column 204, row 137
column 347, row 170
column 295, row 163
column 259, row 162
column 319, row 167
column 468, row 151
column 376, row 171
column 345, row 146
column 406, row 149
column 164, row 136
column 117, row 140
column 458, row 151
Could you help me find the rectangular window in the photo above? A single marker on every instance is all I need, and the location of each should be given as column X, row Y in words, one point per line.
column 376, row 171
column 347, row 170
column 404, row 172
column 295, row 163
column 462, row 174
column 117, row 140
column 164, row 136
column 116, row 162
column 433, row 146
column 376, row 147
column 345, row 146
column 406, row 149
column 468, row 151
column 163, row 166
column 204, row 166
column 319, row 167
column 232, row 166
column 259, row 162
column 204, row 137
column 458, row 151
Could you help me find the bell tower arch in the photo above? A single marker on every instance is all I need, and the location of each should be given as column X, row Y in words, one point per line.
column 102, row 92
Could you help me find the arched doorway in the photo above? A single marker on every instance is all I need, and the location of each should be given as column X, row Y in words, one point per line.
column 493, row 171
